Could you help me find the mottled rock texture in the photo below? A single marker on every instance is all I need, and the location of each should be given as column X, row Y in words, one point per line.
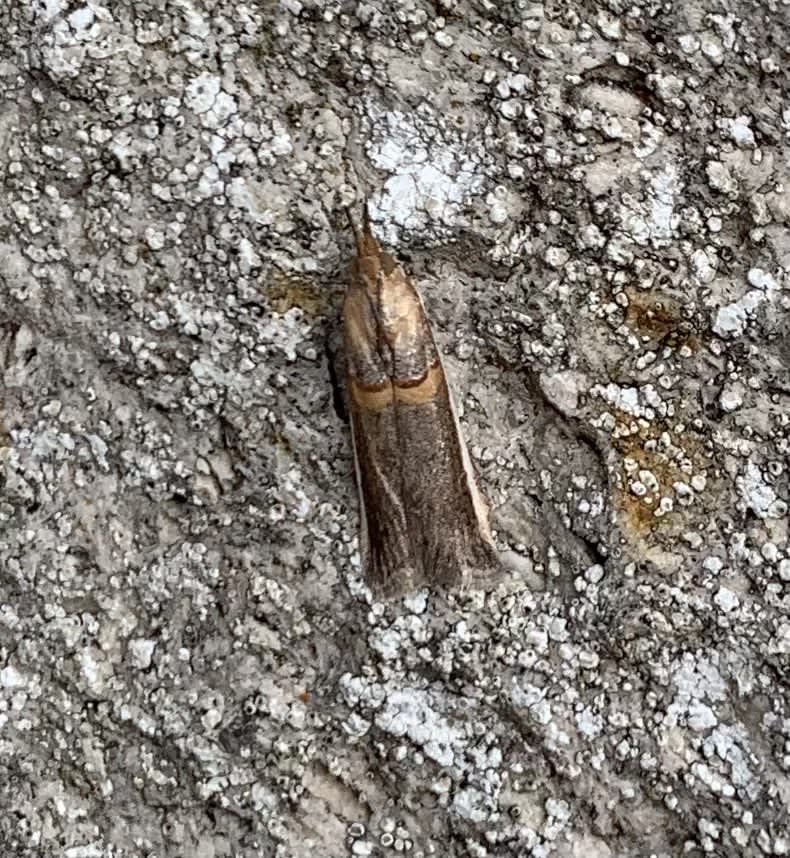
column 595, row 201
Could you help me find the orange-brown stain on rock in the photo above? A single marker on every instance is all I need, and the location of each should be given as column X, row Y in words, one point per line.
column 286, row 291
column 638, row 513
column 659, row 317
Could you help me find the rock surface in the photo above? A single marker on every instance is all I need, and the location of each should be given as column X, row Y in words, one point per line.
column 595, row 200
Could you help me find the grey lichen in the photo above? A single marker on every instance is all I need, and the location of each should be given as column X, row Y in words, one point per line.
column 594, row 200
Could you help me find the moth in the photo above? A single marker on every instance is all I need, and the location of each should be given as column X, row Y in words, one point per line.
column 424, row 519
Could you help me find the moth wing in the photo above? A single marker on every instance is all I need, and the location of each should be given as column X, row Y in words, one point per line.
column 384, row 543
column 446, row 514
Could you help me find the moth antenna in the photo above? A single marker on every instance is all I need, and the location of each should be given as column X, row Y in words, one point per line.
column 355, row 230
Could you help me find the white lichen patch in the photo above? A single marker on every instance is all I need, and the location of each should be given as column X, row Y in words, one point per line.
column 431, row 176
column 758, row 495
column 205, row 96
column 645, row 402
column 739, row 131
column 699, row 686
column 664, row 185
column 409, row 712
column 732, row 319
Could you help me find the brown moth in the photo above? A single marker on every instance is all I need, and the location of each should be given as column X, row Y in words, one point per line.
column 424, row 519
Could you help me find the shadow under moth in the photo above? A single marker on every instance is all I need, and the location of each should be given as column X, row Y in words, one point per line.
column 424, row 519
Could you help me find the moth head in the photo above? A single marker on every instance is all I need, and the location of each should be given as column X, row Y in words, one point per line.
column 369, row 261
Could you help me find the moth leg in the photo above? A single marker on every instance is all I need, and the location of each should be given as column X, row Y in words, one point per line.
column 337, row 366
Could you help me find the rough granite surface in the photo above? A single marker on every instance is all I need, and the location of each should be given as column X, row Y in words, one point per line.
column 595, row 201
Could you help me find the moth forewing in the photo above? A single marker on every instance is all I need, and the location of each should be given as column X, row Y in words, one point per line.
column 424, row 516
column 478, row 499
column 479, row 502
column 385, row 553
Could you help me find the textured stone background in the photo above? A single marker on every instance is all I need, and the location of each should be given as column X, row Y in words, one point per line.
column 595, row 200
